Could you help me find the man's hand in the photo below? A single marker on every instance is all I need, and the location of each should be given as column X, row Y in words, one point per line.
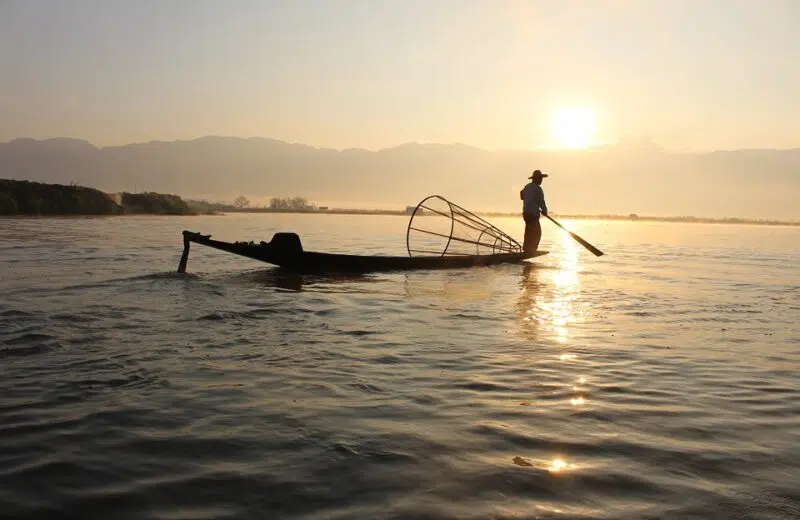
column 544, row 212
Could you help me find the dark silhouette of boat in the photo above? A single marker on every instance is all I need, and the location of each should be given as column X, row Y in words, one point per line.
column 440, row 235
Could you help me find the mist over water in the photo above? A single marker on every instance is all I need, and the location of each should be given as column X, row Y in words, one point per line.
column 657, row 381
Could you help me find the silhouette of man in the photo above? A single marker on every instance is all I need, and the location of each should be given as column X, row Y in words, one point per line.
column 532, row 197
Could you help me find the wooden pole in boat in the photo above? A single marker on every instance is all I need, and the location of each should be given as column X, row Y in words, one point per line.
column 185, row 255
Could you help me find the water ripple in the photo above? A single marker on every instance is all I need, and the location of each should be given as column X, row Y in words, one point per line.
column 656, row 382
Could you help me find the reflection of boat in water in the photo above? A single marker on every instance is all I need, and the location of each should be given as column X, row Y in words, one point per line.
column 440, row 235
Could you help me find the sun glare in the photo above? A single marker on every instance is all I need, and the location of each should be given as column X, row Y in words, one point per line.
column 574, row 127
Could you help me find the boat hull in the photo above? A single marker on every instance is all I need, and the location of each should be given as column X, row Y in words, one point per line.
column 286, row 252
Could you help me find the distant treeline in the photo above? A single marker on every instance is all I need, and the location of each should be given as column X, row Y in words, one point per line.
column 35, row 198
column 204, row 206
column 292, row 204
column 155, row 203
column 645, row 218
column 326, row 211
column 242, row 204
column 285, row 205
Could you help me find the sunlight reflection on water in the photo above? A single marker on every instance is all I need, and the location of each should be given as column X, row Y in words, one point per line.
column 552, row 306
column 549, row 308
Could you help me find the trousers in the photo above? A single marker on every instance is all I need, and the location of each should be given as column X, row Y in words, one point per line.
column 533, row 233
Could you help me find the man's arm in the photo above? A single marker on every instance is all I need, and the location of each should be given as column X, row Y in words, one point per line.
column 542, row 205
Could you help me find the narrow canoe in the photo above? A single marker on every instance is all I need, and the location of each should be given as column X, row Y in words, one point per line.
column 285, row 250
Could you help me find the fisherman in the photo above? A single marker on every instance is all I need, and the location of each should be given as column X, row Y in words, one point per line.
column 532, row 197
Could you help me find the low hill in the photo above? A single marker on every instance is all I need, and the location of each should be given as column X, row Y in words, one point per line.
column 36, row 198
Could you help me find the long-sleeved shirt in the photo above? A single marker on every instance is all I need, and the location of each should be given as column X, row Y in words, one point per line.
column 532, row 197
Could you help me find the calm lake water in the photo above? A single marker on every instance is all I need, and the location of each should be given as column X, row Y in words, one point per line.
column 657, row 381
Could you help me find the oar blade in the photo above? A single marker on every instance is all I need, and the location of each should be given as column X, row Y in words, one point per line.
column 578, row 239
column 586, row 244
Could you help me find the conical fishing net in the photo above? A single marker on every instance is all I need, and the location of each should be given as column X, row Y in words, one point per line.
column 439, row 227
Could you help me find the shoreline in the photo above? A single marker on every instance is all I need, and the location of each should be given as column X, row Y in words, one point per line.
column 30, row 199
column 106, row 215
column 642, row 218
column 222, row 213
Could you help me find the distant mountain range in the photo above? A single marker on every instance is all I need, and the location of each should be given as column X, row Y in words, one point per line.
column 610, row 180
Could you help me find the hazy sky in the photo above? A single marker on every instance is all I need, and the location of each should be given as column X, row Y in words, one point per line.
column 690, row 74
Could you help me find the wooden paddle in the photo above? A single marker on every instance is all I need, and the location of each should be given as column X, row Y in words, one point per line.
column 581, row 241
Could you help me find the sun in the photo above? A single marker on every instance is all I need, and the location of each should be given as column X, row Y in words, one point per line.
column 574, row 127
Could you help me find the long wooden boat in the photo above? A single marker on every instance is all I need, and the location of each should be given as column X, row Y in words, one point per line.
column 491, row 246
column 285, row 250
